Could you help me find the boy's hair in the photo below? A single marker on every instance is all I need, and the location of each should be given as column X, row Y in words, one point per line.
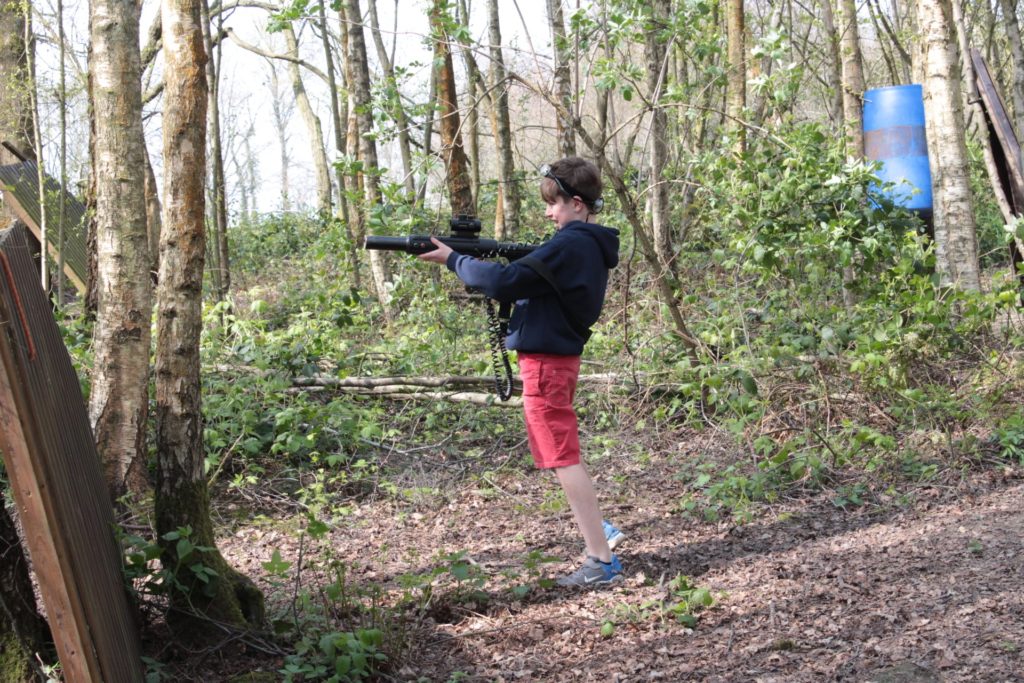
column 573, row 173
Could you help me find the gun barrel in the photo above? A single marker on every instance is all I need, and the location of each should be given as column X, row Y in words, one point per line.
column 470, row 246
column 410, row 244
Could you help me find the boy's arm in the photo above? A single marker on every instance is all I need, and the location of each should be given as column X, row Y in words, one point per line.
column 501, row 282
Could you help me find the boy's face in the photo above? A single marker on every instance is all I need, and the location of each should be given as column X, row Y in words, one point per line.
column 563, row 211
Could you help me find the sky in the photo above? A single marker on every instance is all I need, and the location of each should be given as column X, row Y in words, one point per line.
column 245, row 96
column 246, row 102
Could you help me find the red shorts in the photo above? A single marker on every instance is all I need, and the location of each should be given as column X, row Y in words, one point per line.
column 549, row 385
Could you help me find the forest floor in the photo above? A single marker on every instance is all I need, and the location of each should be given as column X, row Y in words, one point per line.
column 919, row 585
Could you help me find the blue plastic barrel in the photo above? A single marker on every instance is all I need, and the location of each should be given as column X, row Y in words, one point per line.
column 894, row 134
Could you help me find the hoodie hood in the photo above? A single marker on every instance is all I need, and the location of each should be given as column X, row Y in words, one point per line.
column 607, row 239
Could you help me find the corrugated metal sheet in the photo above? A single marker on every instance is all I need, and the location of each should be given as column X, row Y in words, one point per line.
column 20, row 185
column 57, row 482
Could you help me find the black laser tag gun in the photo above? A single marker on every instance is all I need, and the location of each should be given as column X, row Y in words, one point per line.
column 464, row 238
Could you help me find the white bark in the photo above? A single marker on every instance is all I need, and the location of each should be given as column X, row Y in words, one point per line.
column 119, row 397
column 956, row 245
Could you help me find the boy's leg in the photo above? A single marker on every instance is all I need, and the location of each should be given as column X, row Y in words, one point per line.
column 579, row 491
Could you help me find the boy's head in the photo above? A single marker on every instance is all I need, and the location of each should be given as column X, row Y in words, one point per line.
column 575, row 184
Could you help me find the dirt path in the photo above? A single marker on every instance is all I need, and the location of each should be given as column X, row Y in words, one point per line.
column 807, row 591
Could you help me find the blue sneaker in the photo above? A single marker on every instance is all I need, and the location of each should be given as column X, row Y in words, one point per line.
column 612, row 534
column 592, row 573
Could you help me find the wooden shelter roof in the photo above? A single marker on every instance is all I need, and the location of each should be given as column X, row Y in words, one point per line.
column 20, row 185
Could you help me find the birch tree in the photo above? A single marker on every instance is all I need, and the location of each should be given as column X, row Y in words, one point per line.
column 218, row 191
column 563, row 80
column 835, row 63
column 736, row 89
column 956, row 245
column 313, row 127
column 853, row 78
column 182, row 499
column 119, row 397
column 281, row 111
column 362, row 109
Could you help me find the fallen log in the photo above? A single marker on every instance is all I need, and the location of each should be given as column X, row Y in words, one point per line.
column 607, row 378
column 413, row 393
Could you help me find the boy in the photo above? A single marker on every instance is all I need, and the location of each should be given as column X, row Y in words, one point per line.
column 548, row 329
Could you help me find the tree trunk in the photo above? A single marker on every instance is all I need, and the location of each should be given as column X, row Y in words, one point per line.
column 657, row 64
column 563, row 80
column 313, row 127
column 152, row 192
column 62, row 122
column 428, row 134
column 340, row 148
column 354, row 226
column 475, row 91
column 1017, row 54
column 397, row 109
column 360, row 87
column 222, row 274
column 835, row 64
column 353, row 182
column 44, row 219
column 181, row 495
column 16, row 112
column 956, row 246
column 281, row 115
column 760, row 98
column 853, row 78
column 339, row 125
column 507, row 225
column 736, row 89
column 853, row 104
column 121, row 342
column 455, row 161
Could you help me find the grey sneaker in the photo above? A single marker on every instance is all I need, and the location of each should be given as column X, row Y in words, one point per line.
column 593, row 572
column 612, row 534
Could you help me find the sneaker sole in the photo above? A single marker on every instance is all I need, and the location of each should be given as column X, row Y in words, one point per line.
column 614, row 581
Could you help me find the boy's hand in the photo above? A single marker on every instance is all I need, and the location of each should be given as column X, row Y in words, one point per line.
column 439, row 255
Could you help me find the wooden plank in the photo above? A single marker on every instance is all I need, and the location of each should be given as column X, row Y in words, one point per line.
column 1005, row 147
column 63, row 609
column 51, row 457
column 1009, row 146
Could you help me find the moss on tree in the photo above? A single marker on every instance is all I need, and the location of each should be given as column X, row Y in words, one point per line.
column 226, row 596
column 15, row 660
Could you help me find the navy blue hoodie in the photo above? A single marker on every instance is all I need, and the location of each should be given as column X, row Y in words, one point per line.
column 579, row 256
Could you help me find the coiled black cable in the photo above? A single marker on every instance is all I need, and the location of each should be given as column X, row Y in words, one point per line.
column 499, row 354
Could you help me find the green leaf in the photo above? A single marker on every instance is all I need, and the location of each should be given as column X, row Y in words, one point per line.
column 276, row 566
column 184, row 548
column 316, row 528
column 749, row 385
